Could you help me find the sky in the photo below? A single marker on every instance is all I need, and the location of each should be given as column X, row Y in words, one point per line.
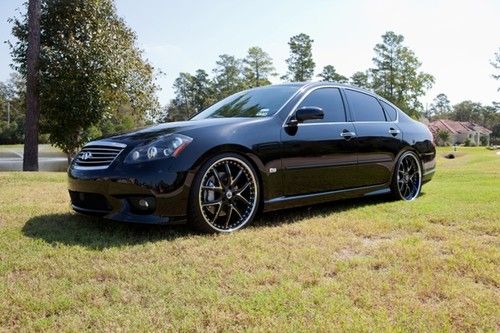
column 454, row 40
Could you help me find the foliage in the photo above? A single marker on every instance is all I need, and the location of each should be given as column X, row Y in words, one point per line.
column 258, row 67
column 483, row 140
column 330, row 74
column 228, row 76
column 487, row 116
column 443, row 137
column 496, row 64
column 496, row 131
column 440, row 107
column 12, row 95
column 396, row 75
column 360, row 79
column 91, row 69
column 300, row 63
column 468, row 143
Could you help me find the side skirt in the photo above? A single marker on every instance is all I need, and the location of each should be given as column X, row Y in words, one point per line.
column 315, row 198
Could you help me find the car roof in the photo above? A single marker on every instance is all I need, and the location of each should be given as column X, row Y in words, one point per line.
column 313, row 84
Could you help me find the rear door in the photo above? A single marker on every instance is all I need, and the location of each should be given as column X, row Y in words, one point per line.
column 320, row 155
column 378, row 137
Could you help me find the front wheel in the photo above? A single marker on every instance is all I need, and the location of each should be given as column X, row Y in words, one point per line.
column 407, row 178
column 225, row 194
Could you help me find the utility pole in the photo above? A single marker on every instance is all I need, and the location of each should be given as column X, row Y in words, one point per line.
column 30, row 160
column 8, row 113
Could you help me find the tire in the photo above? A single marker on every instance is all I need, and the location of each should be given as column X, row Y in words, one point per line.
column 225, row 194
column 407, row 177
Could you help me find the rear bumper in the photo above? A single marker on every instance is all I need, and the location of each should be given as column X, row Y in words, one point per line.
column 427, row 175
column 102, row 193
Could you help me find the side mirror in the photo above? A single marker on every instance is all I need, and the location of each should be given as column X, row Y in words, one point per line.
column 307, row 113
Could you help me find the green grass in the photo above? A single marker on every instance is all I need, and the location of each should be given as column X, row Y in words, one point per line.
column 357, row 265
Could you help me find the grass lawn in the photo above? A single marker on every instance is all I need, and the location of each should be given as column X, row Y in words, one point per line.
column 357, row 265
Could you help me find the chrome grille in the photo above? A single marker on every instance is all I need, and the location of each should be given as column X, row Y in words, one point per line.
column 98, row 155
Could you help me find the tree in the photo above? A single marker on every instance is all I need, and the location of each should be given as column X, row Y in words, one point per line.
column 228, row 77
column 300, row 63
column 396, row 75
column 467, row 111
column 202, row 91
column 496, row 131
column 12, row 110
column 258, row 67
column 183, row 88
column 496, row 64
column 443, row 137
column 484, row 115
column 193, row 93
column 440, row 107
column 90, row 70
column 330, row 74
column 30, row 157
column 360, row 79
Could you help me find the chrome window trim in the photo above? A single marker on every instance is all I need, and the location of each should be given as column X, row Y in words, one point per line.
column 338, row 86
column 294, row 108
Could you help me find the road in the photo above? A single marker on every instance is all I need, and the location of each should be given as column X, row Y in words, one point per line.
column 49, row 158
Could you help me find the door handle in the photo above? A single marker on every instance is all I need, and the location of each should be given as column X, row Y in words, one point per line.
column 394, row 131
column 347, row 134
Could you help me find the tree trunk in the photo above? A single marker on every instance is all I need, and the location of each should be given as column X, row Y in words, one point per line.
column 30, row 160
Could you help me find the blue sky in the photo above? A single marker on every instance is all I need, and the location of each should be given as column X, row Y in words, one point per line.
column 455, row 40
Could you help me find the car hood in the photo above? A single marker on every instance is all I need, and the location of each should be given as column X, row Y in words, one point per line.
column 184, row 127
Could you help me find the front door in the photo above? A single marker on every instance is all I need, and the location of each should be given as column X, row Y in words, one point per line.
column 320, row 155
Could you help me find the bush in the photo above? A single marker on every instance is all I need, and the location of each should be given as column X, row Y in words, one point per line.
column 469, row 143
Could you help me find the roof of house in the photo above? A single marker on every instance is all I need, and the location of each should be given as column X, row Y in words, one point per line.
column 457, row 127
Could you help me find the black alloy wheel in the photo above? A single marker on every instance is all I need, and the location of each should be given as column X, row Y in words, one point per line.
column 407, row 181
column 225, row 194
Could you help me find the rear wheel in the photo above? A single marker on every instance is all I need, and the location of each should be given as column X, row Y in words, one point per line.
column 225, row 194
column 407, row 178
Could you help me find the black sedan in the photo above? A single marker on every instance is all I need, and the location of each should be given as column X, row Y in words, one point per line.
column 258, row 150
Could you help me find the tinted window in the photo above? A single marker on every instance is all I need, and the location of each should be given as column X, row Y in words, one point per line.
column 390, row 111
column 259, row 102
column 364, row 107
column 330, row 100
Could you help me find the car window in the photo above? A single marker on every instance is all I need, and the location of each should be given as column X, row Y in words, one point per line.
column 328, row 99
column 257, row 102
column 364, row 107
column 390, row 111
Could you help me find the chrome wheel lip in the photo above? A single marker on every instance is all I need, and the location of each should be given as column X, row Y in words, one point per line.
column 232, row 194
column 416, row 192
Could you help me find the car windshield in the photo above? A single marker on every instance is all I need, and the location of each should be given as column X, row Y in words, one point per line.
column 258, row 102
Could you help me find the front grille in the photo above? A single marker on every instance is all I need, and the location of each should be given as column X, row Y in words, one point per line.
column 98, row 155
column 91, row 201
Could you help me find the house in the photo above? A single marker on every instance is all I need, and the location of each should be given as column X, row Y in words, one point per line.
column 460, row 131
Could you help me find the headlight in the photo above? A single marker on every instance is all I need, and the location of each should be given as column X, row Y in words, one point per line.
column 166, row 146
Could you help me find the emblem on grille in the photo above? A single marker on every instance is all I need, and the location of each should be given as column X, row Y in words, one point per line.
column 85, row 155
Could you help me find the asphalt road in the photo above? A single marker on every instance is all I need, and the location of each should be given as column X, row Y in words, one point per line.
column 49, row 159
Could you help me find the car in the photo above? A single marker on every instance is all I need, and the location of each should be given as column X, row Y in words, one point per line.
column 258, row 150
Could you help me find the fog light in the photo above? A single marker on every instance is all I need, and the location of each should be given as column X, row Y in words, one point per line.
column 143, row 204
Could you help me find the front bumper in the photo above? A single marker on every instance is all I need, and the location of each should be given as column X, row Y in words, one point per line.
column 113, row 193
